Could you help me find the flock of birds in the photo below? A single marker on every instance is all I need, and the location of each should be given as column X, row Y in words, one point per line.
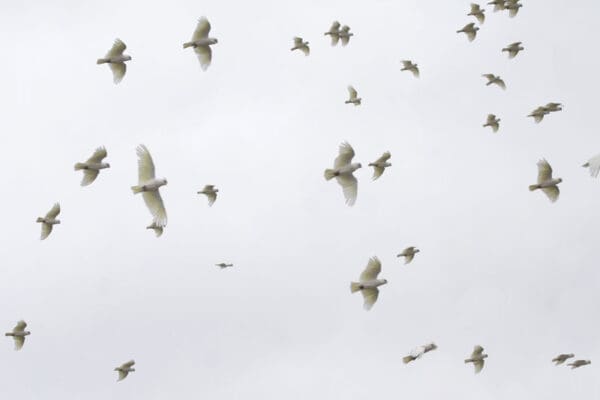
column 343, row 168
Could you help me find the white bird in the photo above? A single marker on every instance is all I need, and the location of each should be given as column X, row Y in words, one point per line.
column 594, row 165
column 408, row 254
column 158, row 230
column 18, row 334
column 561, row 358
column 408, row 65
column 300, row 44
column 343, row 169
column 513, row 7
column 148, row 185
column 513, row 49
column 477, row 358
column 201, row 43
column 498, row 4
column 345, row 34
column 492, row 122
column 470, row 30
column 49, row 220
column 496, row 80
column 538, row 114
column 353, row 97
column 418, row 352
column 211, row 192
column 224, row 265
column 368, row 283
column 116, row 60
column 92, row 166
column 579, row 363
column 546, row 182
column 334, row 32
column 477, row 12
column 380, row 164
column 124, row 369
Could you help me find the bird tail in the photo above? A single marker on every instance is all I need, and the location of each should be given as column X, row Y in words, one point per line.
column 137, row 189
column 9, row 334
column 407, row 359
column 329, row 174
column 186, row 45
column 459, row 31
column 79, row 166
column 533, row 187
column 40, row 219
column 468, row 360
column 354, row 287
column 102, row 61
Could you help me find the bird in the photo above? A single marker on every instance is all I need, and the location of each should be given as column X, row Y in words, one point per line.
column 418, row 352
column 513, row 49
column 408, row 254
column 158, row 230
column 594, row 165
column 92, row 166
column 334, row 32
column 368, row 283
column 149, row 186
column 380, row 164
column 477, row 358
column 561, row 358
column 124, row 369
column 224, row 265
column 211, row 192
column 513, row 7
column 538, row 114
column 353, row 97
column 553, row 107
column 116, row 60
column 18, row 334
column 345, row 34
column 477, row 12
column 545, row 181
column 493, row 79
column 498, row 4
column 470, row 30
column 408, row 65
column 492, row 122
column 300, row 44
column 49, row 220
column 579, row 363
column 201, row 43
column 343, row 169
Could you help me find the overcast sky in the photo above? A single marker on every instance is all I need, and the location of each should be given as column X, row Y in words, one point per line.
column 499, row 266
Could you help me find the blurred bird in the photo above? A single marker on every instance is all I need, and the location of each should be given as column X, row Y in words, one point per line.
column 158, row 230
column 418, row 352
column 224, row 265
column 477, row 358
column 496, row 80
column 92, row 166
column 116, row 60
column 343, row 169
column 538, row 114
column 498, row 4
column 211, row 192
column 125, row 369
column 579, row 363
column 477, row 12
column 492, row 122
column 513, row 7
column 201, row 43
column 408, row 254
column 594, row 165
column 300, row 44
column 470, row 30
column 49, row 220
column 18, row 334
column 149, row 186
column 407, row 65
column 380, row 164
column 368, row 283
column 513, row 49
column 334, row 32
column 345, row 34
column 353, row 97
column 561, row 358
column 546, row 182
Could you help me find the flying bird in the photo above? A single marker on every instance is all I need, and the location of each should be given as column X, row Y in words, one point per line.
column 380, row 164
column 470, row 30
column 158, row 230
column 148, row 185
column 92, row 166
column 513, row 49
column 496, row 80
column 477, row 12
column 201, row 43
column 211, row 192
column 477, row 358
column 224, row 265
column 492, row 122
column 125, row 369
column 579, row 363
column 353, row 97
column 545, row 181
column 49, row 220
column 300, row 44
column 513, row 7
column 408, row 65
column 116, row 60
column 368, row 283
column 594, row 165
column 498, row 4
column 408, row 254
column 561, row 358
column 18, row 334
column 345, row 34
column 538, row 114
column 343, row 169
column 334, row 32
column 418, row 352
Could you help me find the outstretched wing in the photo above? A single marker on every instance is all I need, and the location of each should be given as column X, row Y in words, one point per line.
column 118, row 70
column 19, row 342
column 385, row 156
column 552, row 192
column 89, row 176
column 54, row 211
column 352, row 93
column 349, row 186
column 594, row 165
column 204, row 54
column 20, row 327
column 370, row 297
column 478, row 364
column 544, row 171
column 346, row 153
column 117, row 49
column 145, row 164
column 477, row 351
column 156, row 207
column 212, row 196
column 202, row 29
column 371, row 271
column 98, row 156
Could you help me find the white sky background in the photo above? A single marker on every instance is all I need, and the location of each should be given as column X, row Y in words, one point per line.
column 500, row 266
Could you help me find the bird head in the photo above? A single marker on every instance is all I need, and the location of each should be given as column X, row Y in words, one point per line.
column 213, row 41
column 559, row 180
column 126, row 58
column 358, row 165
column 163, row 181
column 385, row 281
column 106, row 165
column 417, row 250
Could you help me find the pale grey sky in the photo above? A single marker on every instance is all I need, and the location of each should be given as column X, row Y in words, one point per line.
column 499, row 266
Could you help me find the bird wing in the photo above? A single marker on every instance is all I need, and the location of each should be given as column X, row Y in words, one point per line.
column 489, row 76
column 98, row 156
column 156, row 207
column 46, row 230
column 202, row 29
column 204, row 54
column 89, row 176
column 128, row 364
column 491, row 118
column 335, row 37
column 345, row 40
column 349, row 185
column 305, row 49
column 298, row 41
column 512, row 12
column 477, row 351
column 552, row 192
column 335, row 26
column 345, row 155
column 377, row 171
column 208, row 188
column 384, row 157
column 54, row 211
column 122, row 374
column 478, row 364
column 19, row 342
column 500, row 83
column 145, row 164
column 118, row 70
column 20, row 327
column 512, row 53
column 212, row 196
column 544, row 171
column 475, row 8
column 158, row 230
column 370, row 297
column 594, row 165
column 408, row 257
column 117, row 49
column 352, row 93
column 371, row 271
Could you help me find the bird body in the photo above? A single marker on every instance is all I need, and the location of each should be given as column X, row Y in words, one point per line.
column 343, row 170
column 513, row 7
column 477, row 12
column 345, row 34
column 368, row 283
column 18, row 334
column 418, row 352
column 353, row 97
column 116, row 60
column 546, row 182
column 408, row 254
column 470, row 30
column 149, row 186
column 492, row 122
column 49, row 220
column 334, row 32
column 211, row 192
column 538, row 114
column 561, row 358
column 201, row 43
column 92, row 166
column 408, row 65
column 477, row 358
column 300, row 44
column 380, row 165
column 124, row 369
column 513, row 49
column 496, row 80
column 579, row 363
column 594, row 165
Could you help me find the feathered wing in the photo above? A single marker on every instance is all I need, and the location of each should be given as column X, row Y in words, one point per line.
column 46, row 230
column 212, row 196
column 156, row 207
column 122, row 374
column 118, row 70
column 377, row 172
column 477, row 352
column 552, row 192
column 145, row 165
column 384, row 157
column 544, row 171
column 345, row 155
column 54, row 211
column 371, row 271
column 89, row 176
column 202, row 29
column 335, row 38
column 204, row 54
column 370, row 297
column 20, row 327
column 128, row 364
column 349, row 186
column 99, row 155
column 117, row 49
column 352, row 93
column 500, row 83
column 478, row 364
column 408, row 257
column 298, row 42
column 594, row 165
column 19, row 342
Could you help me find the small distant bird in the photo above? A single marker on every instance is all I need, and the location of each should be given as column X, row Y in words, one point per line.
column 201, row 43
column 538, row 114
column 493, row 79
column 545, row 181
column 116, row 60
column 477, row 12
column 158, row 230
column 92, row 166
column 334, row 32
column 561, row 358
column 49, row 220
column 407, row 65
column 470, row 30
column 492, row 122
column 368, row 283
column 343, row 169
column 224, row 265
column 477, row 358
column 353, row 97
column 553, row 107
column 513, row 49
column 211, row 192
column 418, row 352
column 148, row 185
column 513, row 7
column 125, row 369
column 300, row 44
column 380, row 164
column 498, row 4
column 345, row 34
column 18, row 334
column 579, row 363
column 594, row 165
column 408, row 254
